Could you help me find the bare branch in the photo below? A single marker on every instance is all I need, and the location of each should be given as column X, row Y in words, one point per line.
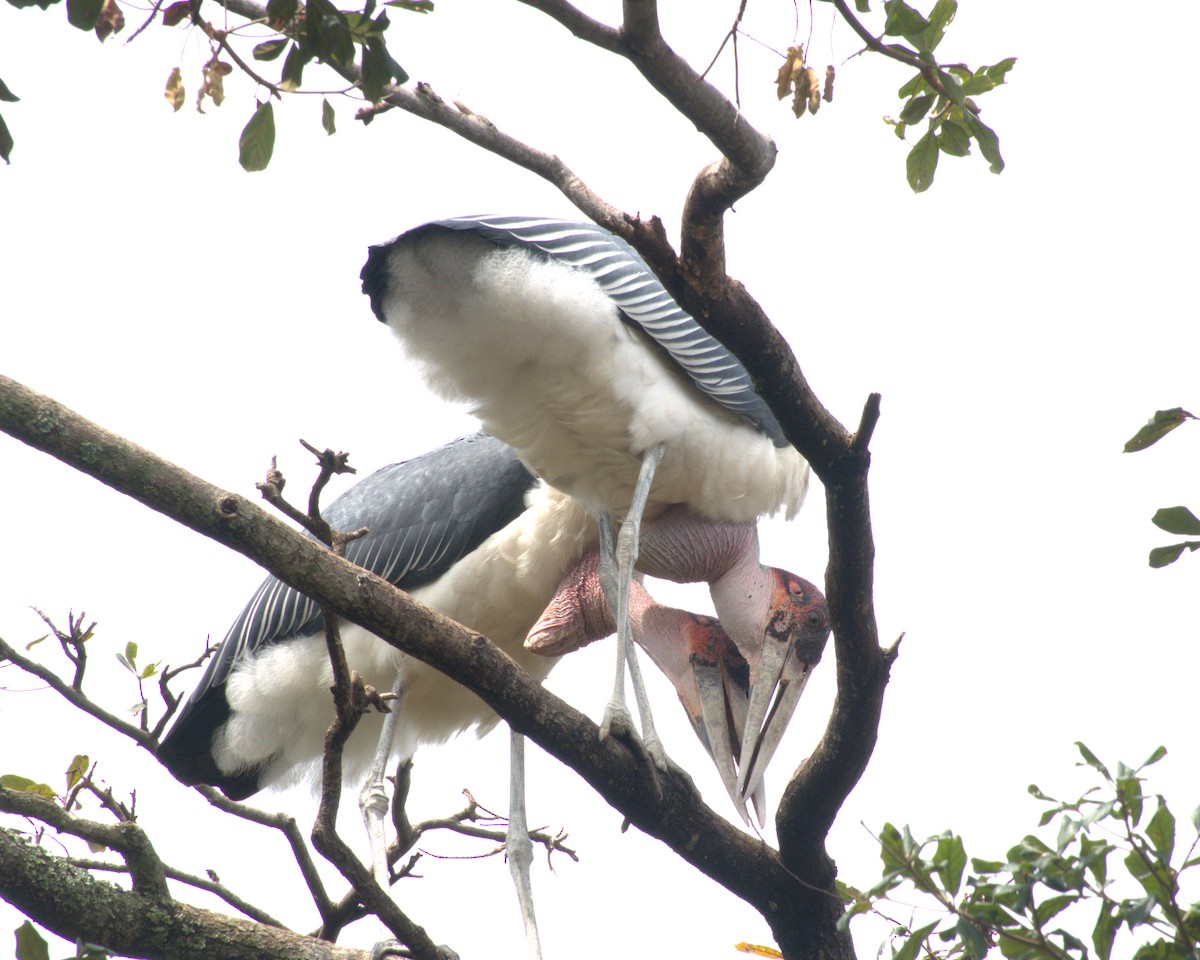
column 291, row 832
column 200, row 883
column 75, row 697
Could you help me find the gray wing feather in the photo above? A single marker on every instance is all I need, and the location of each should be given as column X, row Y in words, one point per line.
column 423, row 515
column 642, row 300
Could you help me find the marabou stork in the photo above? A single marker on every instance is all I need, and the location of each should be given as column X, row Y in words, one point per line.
column 466, row 529
column 567, row 347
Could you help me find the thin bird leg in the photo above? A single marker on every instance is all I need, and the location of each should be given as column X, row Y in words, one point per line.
column 626, row 556
column 616, row 714
column 517, row 846
column 373, row 800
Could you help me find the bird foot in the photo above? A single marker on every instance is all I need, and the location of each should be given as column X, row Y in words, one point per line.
column 394, row 948
column 617, row 722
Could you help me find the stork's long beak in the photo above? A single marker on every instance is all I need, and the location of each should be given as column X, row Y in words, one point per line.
column 793, row 641
column 721, row 679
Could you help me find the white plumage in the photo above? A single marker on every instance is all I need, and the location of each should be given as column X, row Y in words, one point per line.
column 540, row 354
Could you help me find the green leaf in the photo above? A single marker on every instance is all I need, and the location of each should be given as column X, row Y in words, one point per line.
column 6, row 144
column 379, row 69
column 1162, row 423
column 922, row 163
column 257, row 141
column 1176, row 520
column 1053, row 906
column 913, row 941
column 954, row 139
column 1066, row 833
column 916, row 108
column 1161, row 832
column 949, row 861
column 12, row 781
column 998, row 71
column 1129, row 792
column 6, row 94
column 281, row 10
column 327, row 117
column 1105, row 930
column 293, row 69
column 939, row 19
column 77, row 770
column 83, row 14
column 989, row 143
column 22, row 4
column 1144, row 875
column 1158, row 754
column 889, row 848
column 270, row 49
column 1162, row 556
column 862, row 6
column 1070, row 942
column 903, row 20
column 1093, row 856
column 30, row 945
column 1091, row 760
column 416, row 6
column 974, row 942
column 954, row 87
column 913, row 87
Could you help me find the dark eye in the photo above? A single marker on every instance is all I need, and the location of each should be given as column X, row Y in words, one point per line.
column 816, row 620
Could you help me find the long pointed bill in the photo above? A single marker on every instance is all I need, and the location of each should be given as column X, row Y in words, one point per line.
column 717, row 728
column 765, row 678
column 792, row 682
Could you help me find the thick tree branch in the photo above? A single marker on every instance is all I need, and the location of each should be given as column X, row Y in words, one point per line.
column 77, row 906
column 126, row 837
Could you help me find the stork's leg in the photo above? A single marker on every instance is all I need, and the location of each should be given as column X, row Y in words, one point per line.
column 518, row 847
column 626, row 557
column 373, row 800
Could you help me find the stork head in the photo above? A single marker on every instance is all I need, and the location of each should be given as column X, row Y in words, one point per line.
column 787, row 619
column 695, row 653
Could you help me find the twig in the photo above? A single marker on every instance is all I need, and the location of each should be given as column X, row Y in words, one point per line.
column 72, row 642
column 171, row 700
column 200, row 883
column 76, row 698
column 897, row 52
column 291, row 833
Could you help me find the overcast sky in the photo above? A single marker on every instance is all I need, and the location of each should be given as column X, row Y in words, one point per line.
column 1019, row 328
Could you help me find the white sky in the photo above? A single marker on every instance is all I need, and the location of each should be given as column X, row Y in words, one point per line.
column 1019, row 327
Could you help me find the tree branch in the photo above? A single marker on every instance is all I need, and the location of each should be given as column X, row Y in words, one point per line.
column 77, row 906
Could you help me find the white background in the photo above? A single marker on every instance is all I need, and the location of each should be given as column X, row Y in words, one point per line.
column 1020, row 328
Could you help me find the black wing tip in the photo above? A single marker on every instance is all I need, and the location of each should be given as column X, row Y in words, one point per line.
column 186, row 750
column 374, row 276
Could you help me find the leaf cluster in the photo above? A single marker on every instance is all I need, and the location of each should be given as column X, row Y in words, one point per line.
column 1105, row 855
column 351, row 41
column 942, row 95
column 1179, row 520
